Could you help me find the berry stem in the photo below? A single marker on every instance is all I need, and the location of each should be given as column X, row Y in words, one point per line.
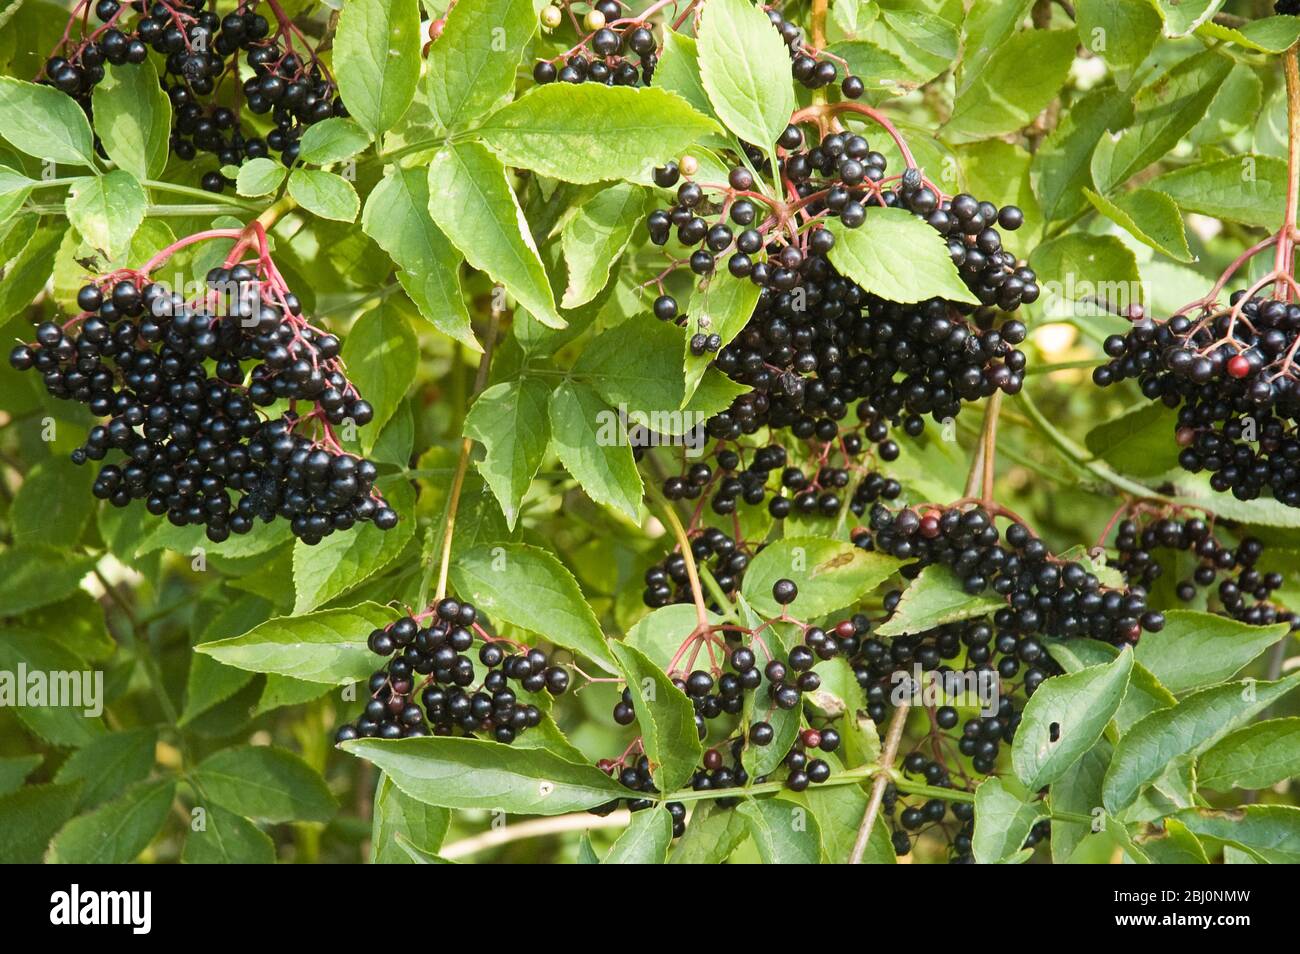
column 466, row 445
column 893, row 736
column 692, row 573
column 989, row 441
column 1286, row 237
column 818, row 112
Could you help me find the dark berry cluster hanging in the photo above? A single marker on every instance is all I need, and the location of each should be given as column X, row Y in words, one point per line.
column 430, row 685
column 1244, row 592
column 1231, row 374
column 199, row 70
column 613, row 49
column 1045, row 594
column 169, row 374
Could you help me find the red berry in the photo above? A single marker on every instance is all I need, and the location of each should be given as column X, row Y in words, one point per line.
column 1238, row 366
column 811, row 738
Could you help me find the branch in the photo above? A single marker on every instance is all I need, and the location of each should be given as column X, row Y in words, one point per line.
column 556, row 824
column 893, row 736
column 466, row 445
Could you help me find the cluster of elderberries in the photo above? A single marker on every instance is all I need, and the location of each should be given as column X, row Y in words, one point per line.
column 668, row 581
column 169, row 375
column 839, row 177
column 435, row 645
column 812, row 357
column 618, row 50
column 721, row 691
column 1231, row 374
column 812, row 68
column 199, row 49
column 639, row 777
column 815, row 493
column 1044, row 593
column 1244, row 592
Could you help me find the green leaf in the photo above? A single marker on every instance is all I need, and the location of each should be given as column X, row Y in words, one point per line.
column 117, row 832
column 645, row 841
column 332, row 140
column 30, row 816
column 830, row 574
column 1183, row 16
column 1122, row 34
column 1175, row 845
column 325, row 194
column 745, row 67
column 1145, row 694
column 1021, row 77
column 592, row 445
column 510, row 421
column 473, row 773
column 1002, row 822
column 34, row 576
column 396, row 813
column 1165, row 110
column 1149, row 216
column 107, row 210
column 472, row 65
column 1189, row 728
column 225, row 839
column 934, row 598
column 678, row 71
column 14, row 769
column 474, row 206
column 42, row 122
column 1137, row 441
column 53, row 504
column 109, row 764
column 27, row 273
column 1266, row 35
column 343, row 560
column 1065, row 717
column 1253, row 757
column 328, row 646
column 637, row 365
column 260, row 781
column 377, row 60
column 1200, row 649
column 925, row 43
column 594, row 239
column 210, row 682
column 133, row 118
column 1270, row 833
column 711, row 836
column 1091, row 269
column 867, row 255
column 528, row 587
column 785, row 833
column 260, row 176
column 1247, row 189
column 1060, row 168
column 382, row 355
column 592, row 132
column 666, row 718
column 1077, row 792
column 397, row 217
column 722, row 305
column 15, row 188
column 985, row 30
